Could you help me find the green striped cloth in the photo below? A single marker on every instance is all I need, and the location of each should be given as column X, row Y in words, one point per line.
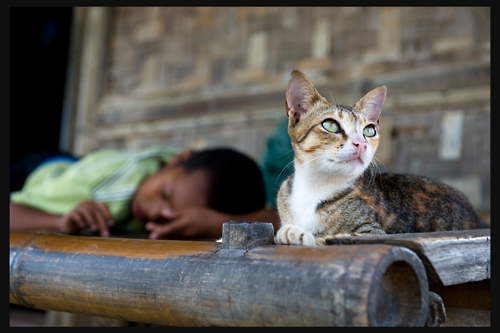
column 107, row 175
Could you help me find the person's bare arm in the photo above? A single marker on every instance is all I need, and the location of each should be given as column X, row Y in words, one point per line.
column 202, row 222
column 87, row 215
column 23, row 218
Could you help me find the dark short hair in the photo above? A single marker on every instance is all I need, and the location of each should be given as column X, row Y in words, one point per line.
column 235, row 181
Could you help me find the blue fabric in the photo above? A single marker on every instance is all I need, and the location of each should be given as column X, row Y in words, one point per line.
column 22, row 168
column 60, row 158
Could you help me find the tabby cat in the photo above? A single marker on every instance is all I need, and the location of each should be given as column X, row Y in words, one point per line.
column 334, row 192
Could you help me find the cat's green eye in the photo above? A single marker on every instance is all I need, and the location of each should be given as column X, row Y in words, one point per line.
column 369, row 131
column 331, row 126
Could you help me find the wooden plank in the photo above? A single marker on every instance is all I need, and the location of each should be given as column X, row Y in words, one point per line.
column 450, row 257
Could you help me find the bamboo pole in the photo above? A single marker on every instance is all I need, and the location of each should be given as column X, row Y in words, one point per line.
column 194, row 283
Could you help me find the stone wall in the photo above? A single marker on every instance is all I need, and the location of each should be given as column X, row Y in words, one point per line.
column 204, row 77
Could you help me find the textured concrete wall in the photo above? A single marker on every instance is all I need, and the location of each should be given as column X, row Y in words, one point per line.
column 206, row 77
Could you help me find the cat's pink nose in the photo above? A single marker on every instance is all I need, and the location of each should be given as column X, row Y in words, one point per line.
column 360, row 144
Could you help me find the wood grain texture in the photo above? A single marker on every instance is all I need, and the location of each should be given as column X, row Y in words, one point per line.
column 246, row 235
column 450, row 257
column 201, row 284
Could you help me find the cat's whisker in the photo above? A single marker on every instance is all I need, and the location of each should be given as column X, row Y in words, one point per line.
column 334, row 100
column 286, row 155
column 377, row 160
column 372, row 168
column 290, row 151
column 286, row 167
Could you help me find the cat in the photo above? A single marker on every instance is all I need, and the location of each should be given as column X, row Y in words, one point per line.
column 333, row 190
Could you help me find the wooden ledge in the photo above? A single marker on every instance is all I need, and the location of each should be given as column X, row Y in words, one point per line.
column 450, row 257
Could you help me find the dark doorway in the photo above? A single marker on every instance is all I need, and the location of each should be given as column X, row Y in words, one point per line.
column 39, row 45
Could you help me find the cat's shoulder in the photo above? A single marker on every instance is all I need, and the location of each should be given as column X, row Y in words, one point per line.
column 395, row 179
column 409, row 183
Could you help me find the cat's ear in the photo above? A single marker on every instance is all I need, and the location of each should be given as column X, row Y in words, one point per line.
column 300, row 96
column 371, row 104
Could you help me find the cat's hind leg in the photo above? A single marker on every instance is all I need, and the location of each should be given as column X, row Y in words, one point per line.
column 290, row 234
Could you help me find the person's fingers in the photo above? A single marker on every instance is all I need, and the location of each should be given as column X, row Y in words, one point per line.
column 150, row 226
column 91, row 215
column 106, row 214
column 180, row 157
column 71, row 223
column 186, row 153
column 169, row 230
column 84, row 214
column 169, row 214
column 99, row 218
column 76, row 219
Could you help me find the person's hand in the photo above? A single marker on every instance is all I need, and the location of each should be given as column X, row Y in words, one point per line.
column 193, row 222
column 87, row 215
column 180, row 157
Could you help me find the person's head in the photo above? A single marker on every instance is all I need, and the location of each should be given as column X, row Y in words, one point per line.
column 222, row 179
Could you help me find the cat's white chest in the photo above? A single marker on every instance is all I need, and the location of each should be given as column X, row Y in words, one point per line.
column 310, row 188
column 305, row 197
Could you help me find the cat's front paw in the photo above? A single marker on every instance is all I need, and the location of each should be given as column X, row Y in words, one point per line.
column 293, row 235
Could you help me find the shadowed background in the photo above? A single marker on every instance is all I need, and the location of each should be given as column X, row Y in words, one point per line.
column 203, row 77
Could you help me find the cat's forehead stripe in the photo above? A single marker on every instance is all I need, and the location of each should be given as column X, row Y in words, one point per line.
column 351, row 114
